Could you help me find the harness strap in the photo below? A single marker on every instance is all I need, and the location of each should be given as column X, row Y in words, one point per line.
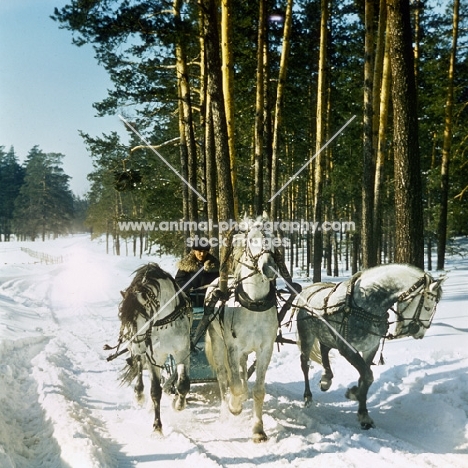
column 411, row 290
column 349, row 302
column 182, row 308
column 256, row 306
column 415, row 320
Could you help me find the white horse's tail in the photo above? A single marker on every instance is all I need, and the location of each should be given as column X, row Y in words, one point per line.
column 315, row 353
column 209, row 351
column 210, row 358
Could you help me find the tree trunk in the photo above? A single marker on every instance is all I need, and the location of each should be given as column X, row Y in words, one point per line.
column 259, row 111
column 220, row 134
column 278, row 105
column 210, row 174
column 444, row 170
column 320, row 137
column 417, row 37
column 187, row 141
column 409, row 227
column 368, row 167
column 381, row 151
column 228, row 84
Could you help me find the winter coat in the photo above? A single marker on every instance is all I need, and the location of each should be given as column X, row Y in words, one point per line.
column 186, row 276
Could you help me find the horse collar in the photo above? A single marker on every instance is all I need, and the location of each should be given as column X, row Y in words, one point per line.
column 257, row 306
column 349, row 306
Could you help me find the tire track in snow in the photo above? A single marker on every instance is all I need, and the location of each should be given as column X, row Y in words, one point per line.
column 29, row 440
column 74, row 355
column 221, row 437
column 81, row 436
column 56, row 377
column 331, row 426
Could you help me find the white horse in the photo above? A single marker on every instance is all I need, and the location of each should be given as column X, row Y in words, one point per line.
column 353, row 317
column 156, row 320
column 246, row 323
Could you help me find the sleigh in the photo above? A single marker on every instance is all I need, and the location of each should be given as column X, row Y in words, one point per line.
column 200, row 370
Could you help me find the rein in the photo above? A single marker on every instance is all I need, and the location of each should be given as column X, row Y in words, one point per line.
column 182, row 308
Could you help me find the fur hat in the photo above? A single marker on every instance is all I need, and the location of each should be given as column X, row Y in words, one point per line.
column 200, row 244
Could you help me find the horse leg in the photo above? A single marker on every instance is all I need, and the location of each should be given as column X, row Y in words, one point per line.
column 139, row 387
column 359, row 392
column 215, row 353
column 305, row 371
column 237, row 385
column 156, row 393
column 306, row 343
column 327, row 376
column 182, row 387
column 263, row 359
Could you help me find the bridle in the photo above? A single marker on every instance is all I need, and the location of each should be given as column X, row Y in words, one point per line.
column 150, row 311
column 152, row 304
column 251, row 261
column 415, row 322
column 254, row 258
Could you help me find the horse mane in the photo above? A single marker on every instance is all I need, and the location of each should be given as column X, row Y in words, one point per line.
column 379, row 273
column 377, row 279
column 151, row 271
column 130, row 307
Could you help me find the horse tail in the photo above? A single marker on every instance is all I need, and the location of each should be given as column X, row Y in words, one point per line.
column 315, row 354
column 130, row 371
column 209, row 351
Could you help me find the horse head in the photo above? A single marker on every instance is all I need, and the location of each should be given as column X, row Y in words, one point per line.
column 140, row 301
column 257, row 247
column 416, row 308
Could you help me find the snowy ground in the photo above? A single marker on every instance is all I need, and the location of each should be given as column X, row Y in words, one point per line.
column 61, row 404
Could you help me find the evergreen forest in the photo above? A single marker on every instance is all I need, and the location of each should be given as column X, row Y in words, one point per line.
column 35, row 199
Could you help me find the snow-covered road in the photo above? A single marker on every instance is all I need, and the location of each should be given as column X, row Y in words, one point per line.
column 61, row 404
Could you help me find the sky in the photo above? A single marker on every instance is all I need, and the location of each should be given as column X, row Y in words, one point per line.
column 47, row 88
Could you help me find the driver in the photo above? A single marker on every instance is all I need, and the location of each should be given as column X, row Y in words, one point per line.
column 197, row 270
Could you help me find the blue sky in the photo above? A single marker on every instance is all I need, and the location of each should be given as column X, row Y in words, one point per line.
column 47, row 88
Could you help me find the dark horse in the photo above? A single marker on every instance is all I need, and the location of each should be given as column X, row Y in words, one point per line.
column 156, row 321
column 353, row 317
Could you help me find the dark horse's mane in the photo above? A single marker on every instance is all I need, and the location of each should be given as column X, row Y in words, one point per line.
column 150, row 273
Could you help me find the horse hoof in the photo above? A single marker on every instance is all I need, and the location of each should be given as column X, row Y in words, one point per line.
column 140, row 398
column 259, row 437
column 325, row 384
column 235, row 411
column 351, row 394
column 179, row 403
column 235, row 405
column 157, row 430
column 365, row 420
column 367, row 425
column 308, row 402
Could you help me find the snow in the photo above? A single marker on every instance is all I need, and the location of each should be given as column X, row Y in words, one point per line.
column 61, row 403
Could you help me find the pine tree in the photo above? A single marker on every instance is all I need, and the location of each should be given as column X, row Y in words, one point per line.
column 11, row 179
column 45, row 203
column 408, row 187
